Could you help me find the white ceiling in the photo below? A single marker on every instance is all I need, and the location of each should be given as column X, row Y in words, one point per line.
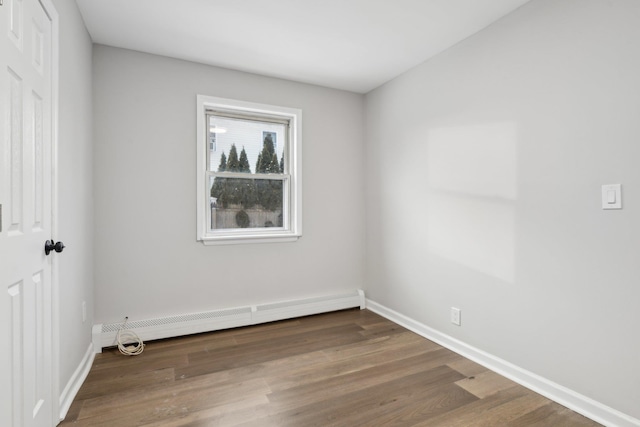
column 354, row 45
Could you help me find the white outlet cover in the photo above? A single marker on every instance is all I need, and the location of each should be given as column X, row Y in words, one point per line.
column 455, row 316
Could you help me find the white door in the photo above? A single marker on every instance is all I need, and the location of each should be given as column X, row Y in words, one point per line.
column 26, row 129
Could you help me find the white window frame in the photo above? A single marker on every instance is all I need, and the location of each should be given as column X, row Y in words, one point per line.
column 292, row 197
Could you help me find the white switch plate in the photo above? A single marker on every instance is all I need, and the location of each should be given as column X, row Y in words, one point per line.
column 612, row 196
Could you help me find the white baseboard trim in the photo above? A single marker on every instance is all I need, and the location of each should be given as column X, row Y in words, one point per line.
column 104, row 335
column 75, row 382
column 575, row 401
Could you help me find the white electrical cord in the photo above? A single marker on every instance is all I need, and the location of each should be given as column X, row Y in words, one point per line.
column 129, row 343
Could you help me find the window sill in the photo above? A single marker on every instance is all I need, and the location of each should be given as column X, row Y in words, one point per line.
column 238, row 240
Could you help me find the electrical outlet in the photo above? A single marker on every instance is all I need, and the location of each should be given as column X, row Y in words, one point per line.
column 455, row 316
column 84, row 311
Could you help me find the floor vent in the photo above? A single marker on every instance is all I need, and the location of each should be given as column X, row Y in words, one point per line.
column 104, row 335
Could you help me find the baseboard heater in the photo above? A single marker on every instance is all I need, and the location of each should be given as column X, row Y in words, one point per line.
column 104, row 335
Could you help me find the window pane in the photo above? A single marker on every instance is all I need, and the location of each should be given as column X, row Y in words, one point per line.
column 243, row 145
column 245, row 203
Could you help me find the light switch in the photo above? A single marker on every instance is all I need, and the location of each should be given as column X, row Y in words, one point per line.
column 612, row 196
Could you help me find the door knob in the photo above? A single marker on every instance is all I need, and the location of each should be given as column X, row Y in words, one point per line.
column 49, row 246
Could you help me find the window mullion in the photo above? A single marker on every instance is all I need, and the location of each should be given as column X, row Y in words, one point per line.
column 241, row 175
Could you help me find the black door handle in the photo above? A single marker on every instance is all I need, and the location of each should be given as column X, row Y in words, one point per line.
column 49, row 246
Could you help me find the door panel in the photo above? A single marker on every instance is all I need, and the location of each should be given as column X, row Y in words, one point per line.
column 15, row 175
column 26, row 129
column 14, row 315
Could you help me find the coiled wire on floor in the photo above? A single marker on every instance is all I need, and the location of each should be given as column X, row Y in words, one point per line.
column 129, row 343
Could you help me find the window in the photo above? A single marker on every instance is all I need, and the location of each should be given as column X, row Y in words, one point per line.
column 212, row 140
column 249, row 184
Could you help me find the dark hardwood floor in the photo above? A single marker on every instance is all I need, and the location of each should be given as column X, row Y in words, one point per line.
column 348, row 368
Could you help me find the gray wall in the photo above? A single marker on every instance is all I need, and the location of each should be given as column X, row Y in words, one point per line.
column 483, row 174
column 148, row 262
column 75, row 203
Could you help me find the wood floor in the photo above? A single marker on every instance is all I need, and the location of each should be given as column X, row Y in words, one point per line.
column 348, row 368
